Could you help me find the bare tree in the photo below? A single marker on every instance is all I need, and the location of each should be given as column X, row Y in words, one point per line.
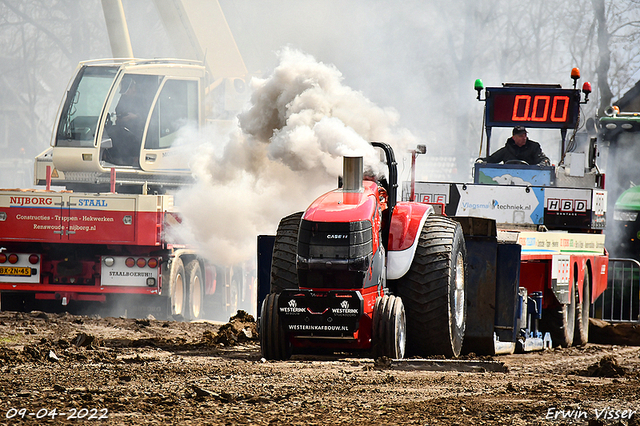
column 604, row 56
column 42, row 42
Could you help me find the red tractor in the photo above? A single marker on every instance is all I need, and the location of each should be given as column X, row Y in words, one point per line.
column 360, row 271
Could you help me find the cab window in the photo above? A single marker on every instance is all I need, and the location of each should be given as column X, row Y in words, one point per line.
column 176, row 107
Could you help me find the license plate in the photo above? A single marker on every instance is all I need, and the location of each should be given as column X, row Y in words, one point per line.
column 15, row 271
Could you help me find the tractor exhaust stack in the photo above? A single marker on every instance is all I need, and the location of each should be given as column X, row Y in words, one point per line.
column 353, row 172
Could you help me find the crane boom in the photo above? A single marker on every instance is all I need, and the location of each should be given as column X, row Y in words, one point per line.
column 117, row 28
column 200, row 31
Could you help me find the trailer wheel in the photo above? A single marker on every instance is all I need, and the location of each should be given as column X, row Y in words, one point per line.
column 581, row 333
column 273, row 340
column 178, row 288
column 560, row 322
column 196, row 290
column 285, row 247
column 434, row 290
column 389, row 328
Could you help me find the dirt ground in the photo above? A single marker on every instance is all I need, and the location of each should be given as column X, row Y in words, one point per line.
column 66, row 369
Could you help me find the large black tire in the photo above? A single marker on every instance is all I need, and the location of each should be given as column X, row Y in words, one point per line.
column 285, row 248
column 195, row 306
column 560, row 322
column 389, row 328
column 273, row 340
column 434, row 290
column 178, row 294
column 581, row 332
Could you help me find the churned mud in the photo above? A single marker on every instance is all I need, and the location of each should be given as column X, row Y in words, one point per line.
column 67, row 369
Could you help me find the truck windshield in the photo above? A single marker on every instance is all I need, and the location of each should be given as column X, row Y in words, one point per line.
column 83, row 105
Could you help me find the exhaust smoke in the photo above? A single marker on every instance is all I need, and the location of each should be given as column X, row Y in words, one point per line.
column 285, row 151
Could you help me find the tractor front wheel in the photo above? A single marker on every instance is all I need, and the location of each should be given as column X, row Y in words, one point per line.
column 273, row 340
column 389, row 328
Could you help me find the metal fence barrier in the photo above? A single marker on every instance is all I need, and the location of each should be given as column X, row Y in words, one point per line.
column 620, row 301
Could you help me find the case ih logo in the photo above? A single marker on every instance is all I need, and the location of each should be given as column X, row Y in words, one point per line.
column 31, row 201
column 566, row 205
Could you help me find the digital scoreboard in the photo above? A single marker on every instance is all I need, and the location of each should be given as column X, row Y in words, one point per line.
column 542, row 107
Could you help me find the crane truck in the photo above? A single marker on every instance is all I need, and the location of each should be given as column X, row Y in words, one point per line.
column 509, row 262
column 107, row 234
column 105, row 237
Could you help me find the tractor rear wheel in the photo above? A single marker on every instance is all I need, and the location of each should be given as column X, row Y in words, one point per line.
column 581, row 333
column 434, row 290
column 285, row 248
column 389, row 328
column 273, row 340
column 560, row 322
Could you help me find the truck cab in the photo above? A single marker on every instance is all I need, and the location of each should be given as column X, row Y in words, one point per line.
column 128, row 115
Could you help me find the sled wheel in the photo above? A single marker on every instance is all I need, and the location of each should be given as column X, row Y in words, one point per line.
column 433, row 290
column 178, row 288
column 581, row 333
column 196, row 290
column 273, row 340
column 285, row 248
column 560, row 322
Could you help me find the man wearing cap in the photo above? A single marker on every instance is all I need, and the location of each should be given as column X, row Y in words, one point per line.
column 519, row 148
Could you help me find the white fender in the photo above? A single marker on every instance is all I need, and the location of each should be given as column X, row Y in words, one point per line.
column 399, row 261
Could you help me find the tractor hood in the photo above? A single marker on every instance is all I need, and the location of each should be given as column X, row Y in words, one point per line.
column 344, row 206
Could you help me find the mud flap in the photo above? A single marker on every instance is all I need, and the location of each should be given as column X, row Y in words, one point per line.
column 481, row 294
column 507, row 296
column 492, row 290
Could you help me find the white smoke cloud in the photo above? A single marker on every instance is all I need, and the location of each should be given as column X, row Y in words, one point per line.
column 286, row 151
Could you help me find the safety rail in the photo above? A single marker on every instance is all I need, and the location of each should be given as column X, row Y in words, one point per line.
column 620, row 301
